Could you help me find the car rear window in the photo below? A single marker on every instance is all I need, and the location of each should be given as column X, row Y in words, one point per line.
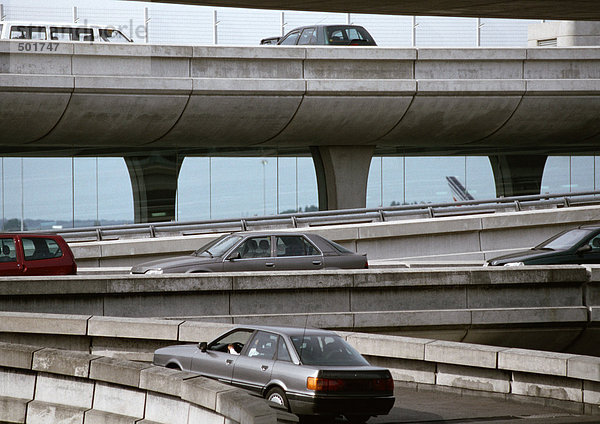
column 40, row 248
column 326, row 350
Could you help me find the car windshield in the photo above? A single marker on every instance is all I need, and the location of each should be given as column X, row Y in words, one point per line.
column 326, row 350
column 564, row 240
column 218, row 247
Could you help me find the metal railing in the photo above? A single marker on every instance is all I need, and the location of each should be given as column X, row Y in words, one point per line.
column 336, row 217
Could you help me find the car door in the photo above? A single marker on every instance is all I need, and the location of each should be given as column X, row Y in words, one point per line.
column 11, row 259
column 296, row 252
column 254, row 254
column 42, row 256
column 253, row 368
column 217, row 361
column 591, row 256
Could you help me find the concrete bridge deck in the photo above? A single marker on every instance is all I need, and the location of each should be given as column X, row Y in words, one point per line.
column 155, row 104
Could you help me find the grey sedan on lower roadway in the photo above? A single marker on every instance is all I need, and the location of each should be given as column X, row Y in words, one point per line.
column 259, row 251
column 306, row 371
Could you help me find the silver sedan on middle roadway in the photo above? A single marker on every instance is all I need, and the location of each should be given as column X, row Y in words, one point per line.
column 260, row 251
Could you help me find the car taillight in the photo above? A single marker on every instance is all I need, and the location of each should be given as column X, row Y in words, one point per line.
column 324, row 384
column 366, row 265
column 319, row 384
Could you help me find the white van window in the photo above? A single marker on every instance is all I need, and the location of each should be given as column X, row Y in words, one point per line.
column 112, row 36
column 28, row 32
column 71, row 34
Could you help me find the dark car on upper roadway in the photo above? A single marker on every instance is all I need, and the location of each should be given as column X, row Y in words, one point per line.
column 306, row 371
column 324, row 35
column 579, row 245
column 259, row 251
column 35, row 254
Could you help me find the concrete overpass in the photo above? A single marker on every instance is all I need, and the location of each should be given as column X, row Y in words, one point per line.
column 528, row 9
column 155, row 104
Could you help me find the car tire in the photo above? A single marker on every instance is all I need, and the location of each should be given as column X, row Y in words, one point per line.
column 277, row 396
column 358, row 419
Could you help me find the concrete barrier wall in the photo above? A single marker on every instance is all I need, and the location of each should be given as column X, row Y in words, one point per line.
column 44, row 385
column 481, row 305
column 470, row 238
column 27, row 373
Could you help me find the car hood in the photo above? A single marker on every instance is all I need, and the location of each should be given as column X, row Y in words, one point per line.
column 176, row 262
column 524, row 255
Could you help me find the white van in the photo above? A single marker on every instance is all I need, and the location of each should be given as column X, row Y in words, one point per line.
column 12, row 30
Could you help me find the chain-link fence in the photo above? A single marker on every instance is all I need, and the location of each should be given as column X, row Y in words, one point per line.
column 202, row 25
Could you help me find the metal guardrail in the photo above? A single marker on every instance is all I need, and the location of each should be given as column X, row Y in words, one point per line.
column 337, row 217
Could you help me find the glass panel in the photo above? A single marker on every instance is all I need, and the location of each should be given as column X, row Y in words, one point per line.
column 47, row 193
column 263, row 345
column 112, row 36
column 287, row 201
column 256, row 247
column 193, row 189
column 393, row 181
column 479, row 179
column 12, row 194
column 7, row 250
column 308, row 199
column 374, row 183
column 582, row 173
column 294, row 246
column 283, row 354
column 426, row 178
column 291, row 39
column 307, row 36
column 115, row 195
column 556, row 175
column 40, row 248
column 85, row 192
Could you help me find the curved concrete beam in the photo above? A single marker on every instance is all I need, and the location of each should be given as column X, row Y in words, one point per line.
column 437, row 101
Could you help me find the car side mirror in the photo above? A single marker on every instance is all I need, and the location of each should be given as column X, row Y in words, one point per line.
column 202, row 346
column 234, row 256
column 583, row 249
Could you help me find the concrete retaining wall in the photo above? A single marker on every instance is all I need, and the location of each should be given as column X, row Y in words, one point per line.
column 451, row 239
column 93, row 385
column 44, row 385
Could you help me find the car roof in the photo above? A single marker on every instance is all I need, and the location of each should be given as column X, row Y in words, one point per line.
column 328, row 25
column 288, row 331
column 272, row 233
column 590, row 227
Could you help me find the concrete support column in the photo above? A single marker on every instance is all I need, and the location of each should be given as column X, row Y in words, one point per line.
column 518, row 175
column 154, row 183
column 342, row 173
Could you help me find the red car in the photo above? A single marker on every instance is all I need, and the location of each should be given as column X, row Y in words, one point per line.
column 35, row 254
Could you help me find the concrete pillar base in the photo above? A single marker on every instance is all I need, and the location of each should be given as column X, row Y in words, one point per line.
column 154, row 183
column 517, row 175
column 342, row 173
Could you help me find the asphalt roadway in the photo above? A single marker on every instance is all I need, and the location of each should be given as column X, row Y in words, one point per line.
column 434, row 406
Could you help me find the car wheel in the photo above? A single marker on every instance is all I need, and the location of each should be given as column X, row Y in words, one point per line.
column 358, row 419
column 277, row 396
column 174, row 367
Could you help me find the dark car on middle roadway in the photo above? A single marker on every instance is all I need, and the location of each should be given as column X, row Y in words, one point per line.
column 306, row 371
column 259, row 251
column 324, row 35
column 579, row 245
